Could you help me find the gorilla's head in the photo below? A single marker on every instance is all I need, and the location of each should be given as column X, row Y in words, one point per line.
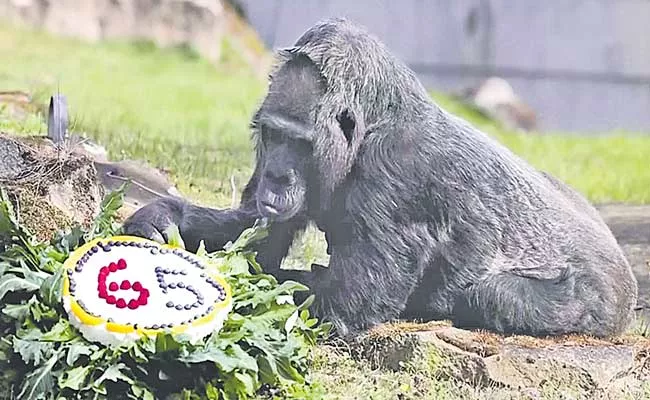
column 330, row 90
column 304, row 141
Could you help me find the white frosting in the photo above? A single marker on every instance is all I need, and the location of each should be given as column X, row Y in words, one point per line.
column 167, row 303
column 98, row 333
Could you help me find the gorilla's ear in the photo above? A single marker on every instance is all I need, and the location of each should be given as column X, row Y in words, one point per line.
column 347, row 123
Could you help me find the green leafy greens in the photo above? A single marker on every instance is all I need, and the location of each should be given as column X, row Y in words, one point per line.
column 262, row 350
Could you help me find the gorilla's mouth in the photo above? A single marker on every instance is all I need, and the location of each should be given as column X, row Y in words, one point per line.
column 279, row 207
column 270, row 208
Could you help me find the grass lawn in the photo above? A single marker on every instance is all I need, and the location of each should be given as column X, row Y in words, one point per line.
column 177, row 111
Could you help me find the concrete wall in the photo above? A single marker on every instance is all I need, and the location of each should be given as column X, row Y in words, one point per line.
column 583, row 65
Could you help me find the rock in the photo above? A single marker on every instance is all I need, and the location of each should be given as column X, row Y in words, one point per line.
column 13, row 163
column 56, row 186
column 86, row 146
column 30, row 162
column 51, row 188
column 197, row 23
column 16, row 104
column 496, row 98
column 588, row 367
column 146, row 183
column 201, row 25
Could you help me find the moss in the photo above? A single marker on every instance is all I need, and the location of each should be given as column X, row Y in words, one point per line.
column 36, row 214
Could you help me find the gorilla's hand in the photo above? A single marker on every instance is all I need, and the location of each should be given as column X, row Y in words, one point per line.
column 152, row 220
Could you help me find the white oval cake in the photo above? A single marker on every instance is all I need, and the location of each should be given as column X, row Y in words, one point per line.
column 119, row 289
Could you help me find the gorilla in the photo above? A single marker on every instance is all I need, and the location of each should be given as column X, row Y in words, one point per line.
column 425, row 216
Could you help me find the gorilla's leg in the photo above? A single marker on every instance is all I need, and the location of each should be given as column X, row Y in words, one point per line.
column 431, row 300
column 513, row 303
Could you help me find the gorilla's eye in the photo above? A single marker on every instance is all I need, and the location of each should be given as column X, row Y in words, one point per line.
column 302, row 145
column 347, row 124
column 270, row 136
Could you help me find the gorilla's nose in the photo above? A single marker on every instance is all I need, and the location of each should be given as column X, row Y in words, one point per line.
column 278, row 178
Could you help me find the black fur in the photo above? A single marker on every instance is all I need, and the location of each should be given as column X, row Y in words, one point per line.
column 425, row 216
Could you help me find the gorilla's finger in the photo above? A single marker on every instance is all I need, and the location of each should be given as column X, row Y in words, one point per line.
column 158, row 236
column 143, row 230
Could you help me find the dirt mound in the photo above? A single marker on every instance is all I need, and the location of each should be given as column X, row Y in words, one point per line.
column 51, row 187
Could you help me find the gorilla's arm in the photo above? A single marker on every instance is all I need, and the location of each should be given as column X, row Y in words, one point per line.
column 195, row 223
column 273, row 248
column 216, row 228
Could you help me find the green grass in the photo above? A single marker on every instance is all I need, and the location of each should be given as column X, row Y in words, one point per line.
column 343, row 377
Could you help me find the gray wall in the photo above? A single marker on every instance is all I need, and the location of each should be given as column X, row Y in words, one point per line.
column 584, row 65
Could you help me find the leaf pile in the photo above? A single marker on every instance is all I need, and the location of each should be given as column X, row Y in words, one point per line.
column 262, row 350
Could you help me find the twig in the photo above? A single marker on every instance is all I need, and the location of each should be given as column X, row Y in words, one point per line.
column 140, row 185
column 233, row 188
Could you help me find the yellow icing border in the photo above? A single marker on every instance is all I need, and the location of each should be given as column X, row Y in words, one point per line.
column 91, row 320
